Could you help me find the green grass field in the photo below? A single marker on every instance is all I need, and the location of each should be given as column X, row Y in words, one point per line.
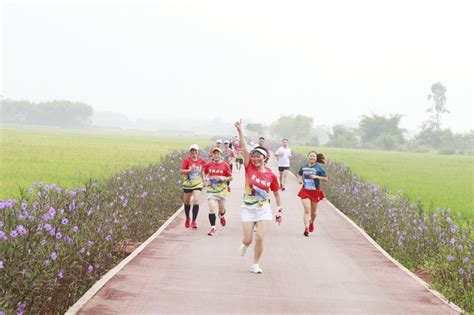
column 69, row 158
column 441, row 181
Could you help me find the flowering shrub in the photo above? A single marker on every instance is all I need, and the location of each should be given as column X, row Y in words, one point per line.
column 429, row 240
column 55, row 243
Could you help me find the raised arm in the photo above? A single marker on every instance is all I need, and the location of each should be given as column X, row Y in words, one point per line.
column 243, row 143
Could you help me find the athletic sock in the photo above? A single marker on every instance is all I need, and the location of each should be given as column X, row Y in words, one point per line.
column 212, row 219
column 187, row 209
column 195, row 212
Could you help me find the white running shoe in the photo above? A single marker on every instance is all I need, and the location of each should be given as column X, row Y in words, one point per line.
column 242, row 249
column 255, row 268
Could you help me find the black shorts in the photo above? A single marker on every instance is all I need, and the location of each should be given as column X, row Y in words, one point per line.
column 231, row 165
column 186, row 191
column 283, row 168
column 240, row 161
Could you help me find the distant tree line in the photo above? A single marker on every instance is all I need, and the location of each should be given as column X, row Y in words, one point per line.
column 59, row 113
column 378, row 132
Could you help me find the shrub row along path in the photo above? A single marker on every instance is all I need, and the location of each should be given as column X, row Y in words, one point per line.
column 335, row 270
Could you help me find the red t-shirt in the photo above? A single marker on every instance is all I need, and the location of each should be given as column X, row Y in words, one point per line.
column 188, row 162
column 263, row 180
column 193, row 179
column 217, row 169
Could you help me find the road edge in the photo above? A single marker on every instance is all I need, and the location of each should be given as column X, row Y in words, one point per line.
column 76, row 307
column 396, row 262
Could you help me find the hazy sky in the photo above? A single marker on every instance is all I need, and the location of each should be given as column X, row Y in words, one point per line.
column 332, row 60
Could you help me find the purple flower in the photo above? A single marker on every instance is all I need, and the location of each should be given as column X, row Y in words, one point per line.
column 453, row 228
column 54, row 255
column 52, row 232
column 82, row 250
column 465, row 260
column 14, row 234
column 61, row 211
column 144, row 194
column 1, row 264
column 24, row 205
column 30, row 190
column 59, row 235
column 43, row 242
column 52, row 212
column 461, row 271
column 1, row 224
column 2, row 204
column 89, row 212
column 75, row 228
column 48, row 227
column 21, row 308
column 90, row 269
column 61, row 274
column 21, row 229
column 2, row 234
column 450, row 258
column 453, row 241
column 64, row 221
column 108, row 238
column 46, row 262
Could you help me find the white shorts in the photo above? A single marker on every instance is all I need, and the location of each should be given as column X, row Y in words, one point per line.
column 216, row 197
column 254, row 214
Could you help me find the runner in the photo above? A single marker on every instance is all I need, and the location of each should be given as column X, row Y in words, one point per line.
column 310, row 175
column 239, row 155
column 218, row 174
column 261, row 143
column 283, row 155
column 218, row 145
column 228, row 154
column 256, row 210
column 192, row 170
column 229, row 157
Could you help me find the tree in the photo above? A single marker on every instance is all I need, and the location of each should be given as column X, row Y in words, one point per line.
column 343, row 137
column 297, row 128
column 381, row 132
column 55, row 113
column 438, row 107
column 255, row 128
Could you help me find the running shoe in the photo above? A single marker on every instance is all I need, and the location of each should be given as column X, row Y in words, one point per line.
column 242, row 249
column 255, row 268
column 212, row 232
column 311, row 228
column 282, row 188
column 222, row 218
column 187, row 223
column 306, row 233
column 194, row 225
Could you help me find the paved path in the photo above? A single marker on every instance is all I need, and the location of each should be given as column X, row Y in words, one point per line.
column 335, row 270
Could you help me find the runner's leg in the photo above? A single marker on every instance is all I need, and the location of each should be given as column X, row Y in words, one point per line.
column 259, row 240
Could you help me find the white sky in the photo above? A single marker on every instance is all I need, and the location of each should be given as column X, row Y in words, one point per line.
column 332, row 60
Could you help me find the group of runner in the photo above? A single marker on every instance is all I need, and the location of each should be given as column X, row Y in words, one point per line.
column 215, row 176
